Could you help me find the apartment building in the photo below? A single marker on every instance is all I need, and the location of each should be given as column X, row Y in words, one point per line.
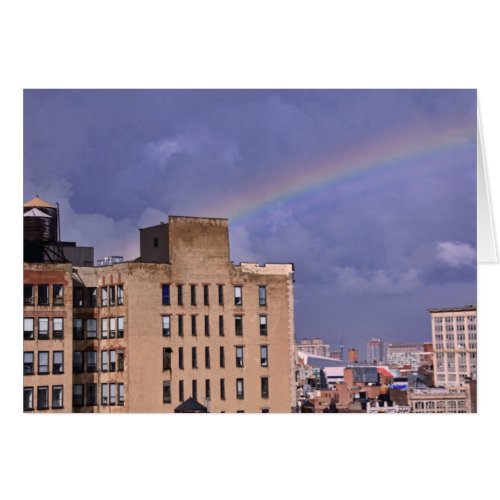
column 181, row 321
column 314, row 346
column 454, row 339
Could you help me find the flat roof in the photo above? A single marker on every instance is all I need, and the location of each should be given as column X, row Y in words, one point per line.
column 468, row 307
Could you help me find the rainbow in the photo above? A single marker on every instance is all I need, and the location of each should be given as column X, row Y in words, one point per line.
column 392, row 152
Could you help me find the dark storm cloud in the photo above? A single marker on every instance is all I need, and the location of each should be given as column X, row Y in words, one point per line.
column 371, row 253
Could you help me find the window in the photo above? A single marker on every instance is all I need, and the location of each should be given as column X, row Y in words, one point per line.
column 42, row 398
column 77, row 296
column 78, row 329
column 262, row 296
column 104, row 328
column 57, row 328
column 239, row 356
column 179, row 295
column 167, row 358
column 91, row 328
column 121, row 394
column 77, row 362
column 112, row 394
column 165, row 295
column 28, row 399
column 43, row 362
column 194, row 391
column 238, row 298
column 181, row 390
column 194, row 361
column 29, row 363
column 193, row 325
column 77, row 395
column 112, row 295
column 263, row 324
column 155, row 242
column 43, row 295
column 104, row 394
column 29, row 333
column 166, row 326
column 207, row 389
column 193, row 295
column 91, row 394
column 240, row 392
column 104, row 361
column 207, row 326
column 57, row 295
column 29, row 300
column 104, row 296
column 112, row 361
column 264, row 387
column 181, row 358
column 91, row 361
column 121, row 361
column 207, row 357
column 221, row 326
column 92, row 296
column 181, row 325
column 206, row 300
column 238, row 325
column 222, row 389
column 119, row 289
column 449, row 320
column 222, row 361
column 167, row 393
column 112, row 328
column 43, row 328
column 58, row 362
column 264, row 361
column 221, row 294
column 120, row 327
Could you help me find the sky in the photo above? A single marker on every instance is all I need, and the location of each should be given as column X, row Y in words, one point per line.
column 370, row 193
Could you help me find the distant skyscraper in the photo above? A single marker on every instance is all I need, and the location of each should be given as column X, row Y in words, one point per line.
column 374, row 351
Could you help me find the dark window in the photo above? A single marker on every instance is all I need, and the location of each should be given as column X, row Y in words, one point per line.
column 207, row 357
column 91, row 361
column 77, row 296
column 119, row 321
column 91, row 394
column 29, row 363
column 167, row 393
column 206, row 301
column 121, row 361
column 194, row 361
column 43, row 295
column 167, row 358
column 28, row 398
column 240, row 392
column 43, row 328
column 193, row 295
column 92, row 296
column 42, row 398
column 57, row 295
column 77, row 395
column 181, row 358
column 112, row 360
column 58, row 362
column 239, row 356
column 29, row 329
column 207, row 389
column 221, row 294
column 119, row 290
column 193, row 325
column 222, row 389
column 57, row 396
column 238, row 325
column 195, row 389
column 91, row 328
column 104, row 394
column 179, row 295
column 263, row 324
column 165, row 295
column 78, row 329
column 181, row 325
column 222, row 360
column 104, row 361
column 264, row 359
column 155, row 242
column 112, row 295
column 29, row 296
column 262, row 296
column 221, row 326
column 43, row 362
column 57, row 328
column 238, row 296
column 104, row 296
column 166, row 325
column 207, row 326
column 264, row 387
column 77, row 362
column 181, row 390
column 121, row 394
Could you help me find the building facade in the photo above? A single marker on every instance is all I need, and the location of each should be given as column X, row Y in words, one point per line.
column 315, row 346
column 374, row 351
column 144, row 336
column 404, row 354
column 454, row 339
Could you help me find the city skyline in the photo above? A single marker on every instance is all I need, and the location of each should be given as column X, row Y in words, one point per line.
column 371, row 194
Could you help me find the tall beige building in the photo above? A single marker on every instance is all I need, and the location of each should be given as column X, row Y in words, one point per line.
column 454, row 339
column 314, row 346
column 181, row 321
